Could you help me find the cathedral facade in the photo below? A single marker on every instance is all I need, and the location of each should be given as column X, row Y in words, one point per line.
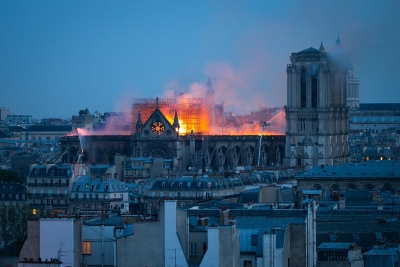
column 316, row 110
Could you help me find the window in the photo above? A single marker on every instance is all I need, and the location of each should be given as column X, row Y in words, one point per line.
column 314, row 91
column 254, row 240
column 49, row 202
column 193, row 248
column 303, row 89
column 356, row 236
column 204, row 248
column 247, row 264
column 86, row 248
column 332, row 237
column 378, row 236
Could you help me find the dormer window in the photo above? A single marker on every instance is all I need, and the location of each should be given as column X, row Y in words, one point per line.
column 180, row 185
column 163, row 185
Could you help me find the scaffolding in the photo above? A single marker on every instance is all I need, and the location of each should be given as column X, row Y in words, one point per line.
column 192, row 112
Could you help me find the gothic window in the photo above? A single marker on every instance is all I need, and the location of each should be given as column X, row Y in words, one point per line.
column 317, row 187
column 303, row 89
column 314, row 91
column 158, row 150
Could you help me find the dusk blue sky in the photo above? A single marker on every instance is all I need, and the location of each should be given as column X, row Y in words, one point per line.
column 58, row 57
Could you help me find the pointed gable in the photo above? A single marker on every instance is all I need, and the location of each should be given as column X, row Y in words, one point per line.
column 158, row 126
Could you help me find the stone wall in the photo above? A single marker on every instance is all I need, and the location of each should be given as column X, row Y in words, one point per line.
column 31, row 247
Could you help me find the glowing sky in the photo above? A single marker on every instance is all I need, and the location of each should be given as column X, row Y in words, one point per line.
column 58, row 57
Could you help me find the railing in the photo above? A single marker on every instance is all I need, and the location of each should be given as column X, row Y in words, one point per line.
column 36, row 205
column 60, row 205
column 95, row 200
column 48, row 185
column 47, row 195
column 182, row 197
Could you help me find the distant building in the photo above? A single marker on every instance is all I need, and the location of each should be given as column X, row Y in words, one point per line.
column 340, row 254
column 378, row 176
column 137, row 169
column 20, row 163
column 49, row 187
column 98, row 193
column 12, row 193
column 47, row 133
column 4, row 112
column 376, row 117
column 382, row 255
column 84, row 120
column 188, row 190
column 19, row 120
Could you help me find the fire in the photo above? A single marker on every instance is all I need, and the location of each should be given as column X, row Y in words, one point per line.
column 201, row 117
column 194, row 114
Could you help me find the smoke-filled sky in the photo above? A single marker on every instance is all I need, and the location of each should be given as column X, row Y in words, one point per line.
column 58, row 57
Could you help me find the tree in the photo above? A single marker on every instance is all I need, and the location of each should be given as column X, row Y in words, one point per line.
column 9, row 176
column 13, row 223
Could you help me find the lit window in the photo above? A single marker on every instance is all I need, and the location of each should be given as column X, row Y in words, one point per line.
column 34, row 212
column 86, row 248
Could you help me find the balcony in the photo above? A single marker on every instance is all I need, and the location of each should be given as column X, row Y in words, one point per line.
column 48, row 185
column 57, row 206
column 35, row 205
column 96, row 200
column 40, row 195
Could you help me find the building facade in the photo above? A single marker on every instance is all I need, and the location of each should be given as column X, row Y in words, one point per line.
column 49, row 187
column 98, row 193
column 316, row 110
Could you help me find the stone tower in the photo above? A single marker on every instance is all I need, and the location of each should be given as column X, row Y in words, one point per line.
column 316, row 110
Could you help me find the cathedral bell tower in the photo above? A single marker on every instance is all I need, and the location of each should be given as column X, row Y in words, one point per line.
column 316, row 110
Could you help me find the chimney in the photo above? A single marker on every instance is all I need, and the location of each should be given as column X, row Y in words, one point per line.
column 223, row 216
column 231, row 220
column 103, row 177
column 93, row 176
column 342, row 201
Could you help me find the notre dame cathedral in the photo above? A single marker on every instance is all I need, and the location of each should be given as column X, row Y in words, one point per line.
column 316, row 110
column 316, row 127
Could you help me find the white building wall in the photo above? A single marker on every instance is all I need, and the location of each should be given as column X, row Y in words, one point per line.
column 99, row 246
column 55, row 243
column 272, row 255
column 211, row 258
column 174, row 255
